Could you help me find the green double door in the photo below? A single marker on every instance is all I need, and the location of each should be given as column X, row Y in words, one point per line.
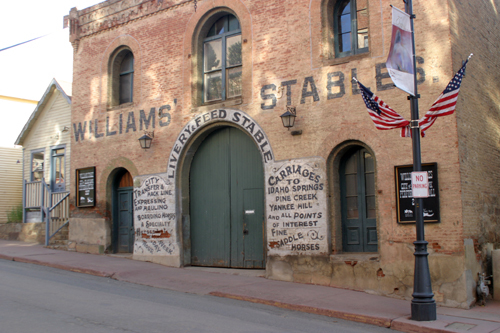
column 357, row 183
column 227, row 202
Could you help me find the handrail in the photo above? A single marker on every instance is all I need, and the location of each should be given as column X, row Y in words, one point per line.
column 67, row 195
column 38, row 195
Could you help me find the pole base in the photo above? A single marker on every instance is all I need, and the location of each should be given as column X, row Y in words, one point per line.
column 423, row 311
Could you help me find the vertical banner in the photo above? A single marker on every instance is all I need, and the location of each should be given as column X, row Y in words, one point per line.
column 400, row 61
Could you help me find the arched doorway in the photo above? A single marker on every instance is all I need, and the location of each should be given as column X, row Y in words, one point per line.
column 227, row 201
column 357, row 189
column 123, row 214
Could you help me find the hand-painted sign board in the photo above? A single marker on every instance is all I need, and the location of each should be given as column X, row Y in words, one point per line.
column 85, row 187
column 404, row 194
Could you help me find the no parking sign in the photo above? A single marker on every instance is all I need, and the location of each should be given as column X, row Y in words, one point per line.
column 420, row 184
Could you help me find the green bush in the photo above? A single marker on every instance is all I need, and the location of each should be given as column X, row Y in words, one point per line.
column 16, row 214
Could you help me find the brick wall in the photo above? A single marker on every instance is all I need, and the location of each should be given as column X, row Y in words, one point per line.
column 285, row 42
column 478, row 117
column 281, row 46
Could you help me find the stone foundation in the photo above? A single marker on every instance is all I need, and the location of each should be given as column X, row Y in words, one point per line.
column 89, row 235
column 25, row 232
column 452, row 285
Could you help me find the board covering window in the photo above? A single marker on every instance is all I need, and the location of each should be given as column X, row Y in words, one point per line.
column 58, row 176
column 222, row 60
column 351, row 27
column 37, row 164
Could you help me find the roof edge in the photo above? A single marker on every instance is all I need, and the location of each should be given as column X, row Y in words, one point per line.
column 38, row 109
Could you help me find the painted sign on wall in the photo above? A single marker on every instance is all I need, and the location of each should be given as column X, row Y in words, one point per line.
column 228, row 115
column 155, row 217
column 296, row 207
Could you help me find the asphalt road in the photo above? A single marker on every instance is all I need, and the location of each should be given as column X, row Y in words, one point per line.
column 41, row 299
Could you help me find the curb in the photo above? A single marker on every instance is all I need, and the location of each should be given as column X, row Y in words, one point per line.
column 4, row 257
column 58, row 266
column 408, row 327
column 378, row 321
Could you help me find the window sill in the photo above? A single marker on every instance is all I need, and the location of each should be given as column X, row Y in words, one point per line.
column 218, row 104
column 120, row 107
column 343, row 60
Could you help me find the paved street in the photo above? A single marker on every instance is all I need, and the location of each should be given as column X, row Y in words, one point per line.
column 230, row 284
column 42, row 299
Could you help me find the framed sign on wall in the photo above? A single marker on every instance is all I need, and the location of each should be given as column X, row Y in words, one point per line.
column 406, row 202
column 85, row 187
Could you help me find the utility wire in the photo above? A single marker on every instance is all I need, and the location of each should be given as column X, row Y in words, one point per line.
column 9, row 47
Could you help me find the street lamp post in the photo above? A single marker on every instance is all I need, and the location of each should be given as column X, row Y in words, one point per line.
column 423, row 305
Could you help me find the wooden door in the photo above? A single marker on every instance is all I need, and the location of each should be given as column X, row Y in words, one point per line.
column 227, row 201
column 125, row 220
column 357, row 182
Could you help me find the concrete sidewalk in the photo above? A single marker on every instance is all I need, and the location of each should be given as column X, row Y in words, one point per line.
column 251, row 286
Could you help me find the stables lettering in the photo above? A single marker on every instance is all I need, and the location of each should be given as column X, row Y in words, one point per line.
column 335, row 86
column 228, row 115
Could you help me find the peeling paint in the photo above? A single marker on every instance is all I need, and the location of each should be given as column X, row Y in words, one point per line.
column 272, row 245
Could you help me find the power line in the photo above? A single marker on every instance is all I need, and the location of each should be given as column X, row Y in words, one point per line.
column 9, row 47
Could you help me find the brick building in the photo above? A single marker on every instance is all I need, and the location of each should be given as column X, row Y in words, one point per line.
column 225, row 184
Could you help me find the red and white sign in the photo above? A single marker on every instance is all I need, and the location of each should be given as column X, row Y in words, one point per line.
column 420, row 184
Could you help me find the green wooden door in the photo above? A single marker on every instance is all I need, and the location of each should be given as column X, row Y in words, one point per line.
column 227, row 202
column 357, row 182
column 125, row 220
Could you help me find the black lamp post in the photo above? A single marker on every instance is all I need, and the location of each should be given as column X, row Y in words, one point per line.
column 145, row 140
column 423, row 305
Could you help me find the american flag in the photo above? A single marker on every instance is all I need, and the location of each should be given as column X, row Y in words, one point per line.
column 382, row 115
column 443, row 106
column 446, row 102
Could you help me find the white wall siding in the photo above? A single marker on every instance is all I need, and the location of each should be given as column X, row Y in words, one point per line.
column 47, row 132
column 11, row 180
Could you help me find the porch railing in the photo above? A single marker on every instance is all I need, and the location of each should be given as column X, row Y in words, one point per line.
column 54, row 206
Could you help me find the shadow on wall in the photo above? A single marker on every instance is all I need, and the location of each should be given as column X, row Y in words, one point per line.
column 24, row 232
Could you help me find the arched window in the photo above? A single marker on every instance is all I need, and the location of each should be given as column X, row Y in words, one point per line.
column 350, row 26
column 127, row 78
column 357, row 193
column 222, row 60
column 121, row 74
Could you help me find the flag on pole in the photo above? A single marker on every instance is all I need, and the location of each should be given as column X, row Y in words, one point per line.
column 381, row 114
column 400, row 60
column 443, row 106
column 446, row 102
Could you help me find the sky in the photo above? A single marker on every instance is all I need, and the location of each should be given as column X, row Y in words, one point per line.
column 27, row 70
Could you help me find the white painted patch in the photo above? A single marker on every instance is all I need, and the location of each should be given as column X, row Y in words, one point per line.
column 155, row 217
column 297, row 207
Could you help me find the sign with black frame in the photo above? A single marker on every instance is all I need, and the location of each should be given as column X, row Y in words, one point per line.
column 85, row 187
column 404, row 198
